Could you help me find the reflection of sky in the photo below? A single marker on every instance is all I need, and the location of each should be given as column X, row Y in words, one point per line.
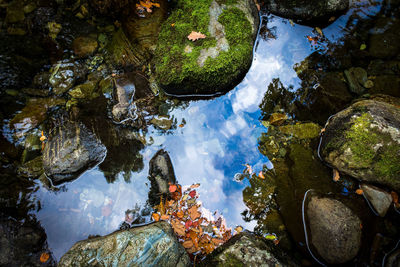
column 219, row 137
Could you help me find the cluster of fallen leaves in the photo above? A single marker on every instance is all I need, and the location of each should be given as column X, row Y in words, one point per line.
column 198, row 235
column 146, row 6
column 193, row 36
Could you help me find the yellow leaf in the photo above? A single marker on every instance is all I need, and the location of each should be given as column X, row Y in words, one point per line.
column 319, row 31
column 261, row 175
column 239, row 229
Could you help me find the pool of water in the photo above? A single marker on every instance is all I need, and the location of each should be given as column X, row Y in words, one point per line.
column 217, row 139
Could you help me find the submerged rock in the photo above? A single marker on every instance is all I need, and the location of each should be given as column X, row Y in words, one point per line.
column 379, row 199
column 84, row 46
column 64, row 75
column 246, row 249
column 334, row 229
column 306, row 10
column 363, row 141
column 357, row 79
column 211, row 64
column 71, row 149
column 161, row 173
column 151, row 245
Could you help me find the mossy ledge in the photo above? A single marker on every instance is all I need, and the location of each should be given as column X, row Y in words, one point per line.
column 211, row 65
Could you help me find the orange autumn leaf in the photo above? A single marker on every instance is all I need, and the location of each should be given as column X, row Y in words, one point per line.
column 194, row 213
column 180, row 214
column 164, row 217
column 249, row 170
column 44, row 257
column 178, row 227
column 194, row 186
column 146, row 5
column 395, row 197
column 172, row 188
column 359, row 191
column 217, row 241
column 156, row 216
column 261, row 175
column 187, row 244
column 276, row 241
column 42, row 137
column 336, row 175
column 193, row 36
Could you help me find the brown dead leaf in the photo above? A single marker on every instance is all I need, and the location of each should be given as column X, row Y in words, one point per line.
column 194, row 213
column 178, row 227
column 187, row 244
column 193, row 36
column 180, row 214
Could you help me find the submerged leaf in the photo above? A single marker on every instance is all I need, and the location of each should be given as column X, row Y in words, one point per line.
column 44, row 257
column 359, row 191
column 336, row 175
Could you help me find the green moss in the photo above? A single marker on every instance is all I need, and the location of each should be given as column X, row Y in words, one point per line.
column 231, row 261
column 362, row 140
column 389, row 165
column 302, row 131
column 175, row 67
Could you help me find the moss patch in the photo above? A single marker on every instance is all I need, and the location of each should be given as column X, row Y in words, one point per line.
column 178, row 71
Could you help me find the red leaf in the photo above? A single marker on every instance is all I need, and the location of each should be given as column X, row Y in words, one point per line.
column 172, row 188
column 192, row 193
column 188, row 224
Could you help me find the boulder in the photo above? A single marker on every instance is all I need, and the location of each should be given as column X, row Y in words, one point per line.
column 84, row 46
column 161, row 173
column 64, row 74
column 215, row 63
column 363, row 141
column 150, row 245
column 71, row 149
column 306, row 10
column 379, row 199
column 334, row 230
column 246, row 249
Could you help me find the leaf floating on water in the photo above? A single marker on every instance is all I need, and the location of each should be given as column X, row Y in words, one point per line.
column 261, row 175
column 270, row 236
column 146, row 5
column 42, row 137
column 193, row 186
column 178, row 227
column 363, row 46
column 194, row 213
column 156, row 217
column 359, row 191
column 336, row 175
column 248, row 170
column 194, row 36
column 319, row 31
column 44, row 257
column 165, row 217
column 192, row 193
column 172, row 188
column 291, row 22
column 187, row 244
column 239, row 229
column 331, row 19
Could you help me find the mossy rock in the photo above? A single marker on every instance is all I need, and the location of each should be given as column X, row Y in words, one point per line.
column 210, row 65
column 364, row 141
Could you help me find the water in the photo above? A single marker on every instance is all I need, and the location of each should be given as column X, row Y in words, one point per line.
column 218, row 138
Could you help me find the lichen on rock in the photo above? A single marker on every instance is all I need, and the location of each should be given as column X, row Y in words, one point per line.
column 210, row 65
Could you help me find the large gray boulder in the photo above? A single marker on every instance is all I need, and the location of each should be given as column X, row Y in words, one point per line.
column 334, row 230
column 246, row 249
column 363, row 141
column 150, row 245
column 71, row 149
column 379, row 199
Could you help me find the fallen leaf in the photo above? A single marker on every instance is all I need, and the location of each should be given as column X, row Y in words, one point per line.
column 322, row 131
column 172, row 188
column 276, row 241
column 188, row 223
column 271, row 237
column 363, row 46
column 164, row 217
column 178, row 227
column 187, row 244
column 261, row 175
column 180, row 214
column 193, row 36
column 194, row 186
column 192, row 193
column 336, row 175
column 42, row 138
column 239, row 229
column 249, row 170
column 146, row 5
column 194, row 213
column 44, row 257
column 291, row 22
column 359, row 191
column 319, row 31
column 173, row 24
column 331, row 19
column 156, row 216
column 217, row 241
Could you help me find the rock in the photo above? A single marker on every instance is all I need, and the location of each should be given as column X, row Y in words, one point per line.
column 334, row 230
column 246, row 249
column 162, row 122
column 122, row 53
column 380, row 199
column 84, row 46
column 32, row 148
column 22, row 243
column 31, row 169
column 393, row 259
column 33, row 113
column 363, row 141
column 150, row 245
column 384, row 42
column 64, row 75
column 356, row 78
column 84, row 91
column 161, row 173
column 386, row 84
column 71, row 149
column 15, row 12
column 307, row 130
column 210, row 65
column 306, row 11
